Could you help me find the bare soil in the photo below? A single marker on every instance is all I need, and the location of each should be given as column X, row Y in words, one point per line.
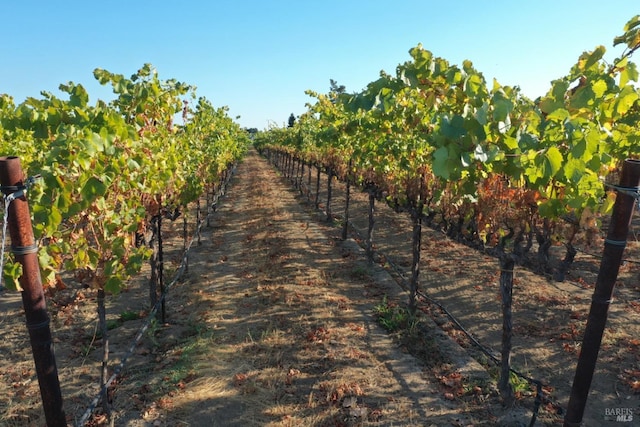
column 275, row 324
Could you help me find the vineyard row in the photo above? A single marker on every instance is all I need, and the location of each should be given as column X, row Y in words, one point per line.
column 483, row 162
column 110, row 173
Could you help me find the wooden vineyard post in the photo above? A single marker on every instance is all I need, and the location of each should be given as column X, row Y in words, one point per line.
column 24, row 248
column 603, row 293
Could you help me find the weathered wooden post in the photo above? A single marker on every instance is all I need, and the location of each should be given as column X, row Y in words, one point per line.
column 25, row 249
column 607, row 276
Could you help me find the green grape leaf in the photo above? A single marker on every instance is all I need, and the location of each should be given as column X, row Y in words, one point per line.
column 93, row 189
column 559, row 89
column 627, row 97
column 599, row 87
column 549, row 105
column 473, row 84
column 589, row 59
column 11, row 275
column 631, row 37
column 559, row 115
column 632, row 23
column 502, row 107
column 79, row 96
column 628, row 73
column 574, row 170
column 135, row 262
column 553, row 161
column 113, row 285
column 551, row 208
column 582, row 98
column 441, row 163
column 482, row 114
column 453, row 128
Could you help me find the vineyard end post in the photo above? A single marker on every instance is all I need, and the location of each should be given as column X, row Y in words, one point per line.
column 603, row 293
column 24, row 248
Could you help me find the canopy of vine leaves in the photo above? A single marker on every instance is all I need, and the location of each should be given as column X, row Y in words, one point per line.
column 479, row 155
column 105, row 167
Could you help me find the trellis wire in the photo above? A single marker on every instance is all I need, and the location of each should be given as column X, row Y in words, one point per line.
column 629, row 191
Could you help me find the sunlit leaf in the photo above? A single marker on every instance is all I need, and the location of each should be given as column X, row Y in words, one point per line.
column 93, row 188
column 554, row 159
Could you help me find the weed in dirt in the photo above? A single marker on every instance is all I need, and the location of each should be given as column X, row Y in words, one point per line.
column 127, row 315
column 249, row 338
column 112, row 324
column 360, row 273
column 410, row 332
column 394, row 318
column 270, row 332
column 520, row 385
column 177, row 365
column 522, row 388
column 152, row 332
column 182, row 369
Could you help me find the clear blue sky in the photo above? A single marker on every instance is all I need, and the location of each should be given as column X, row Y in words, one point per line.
column 259, row 56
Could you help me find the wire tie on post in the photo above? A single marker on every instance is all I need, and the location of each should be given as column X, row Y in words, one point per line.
column 18, row 188
column 602, row 300
column 621, row 243
column 629, row 191
column 12, row 188
column 24, row 250
column 36, row 326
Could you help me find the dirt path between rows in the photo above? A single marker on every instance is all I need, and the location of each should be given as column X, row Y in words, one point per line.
column 275, row 325
column 288, row 310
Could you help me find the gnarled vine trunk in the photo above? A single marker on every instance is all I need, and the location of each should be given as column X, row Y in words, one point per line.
column 416, row 217
column 507, row 264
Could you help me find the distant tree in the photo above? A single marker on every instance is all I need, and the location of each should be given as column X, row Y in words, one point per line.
column 252, row 132
column 335, row 88
column 292, row 120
